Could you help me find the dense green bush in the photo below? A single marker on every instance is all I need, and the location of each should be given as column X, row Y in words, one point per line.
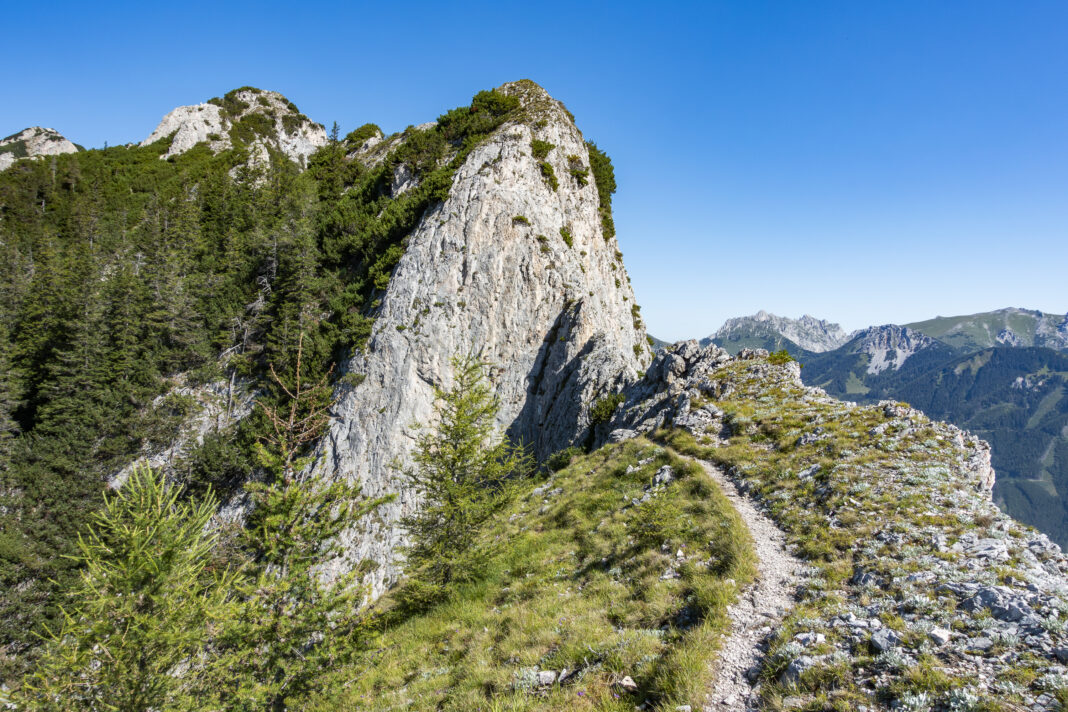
column 540, row 149
column 602, row 410
column 605, row 177
column 549, row 175
column 561, row 459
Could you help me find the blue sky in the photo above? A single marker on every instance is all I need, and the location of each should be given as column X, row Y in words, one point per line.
column 862, row 162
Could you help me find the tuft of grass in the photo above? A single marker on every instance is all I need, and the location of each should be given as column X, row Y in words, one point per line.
column 568, row 239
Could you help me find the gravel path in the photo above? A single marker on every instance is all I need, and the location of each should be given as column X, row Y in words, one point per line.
column 758, row 609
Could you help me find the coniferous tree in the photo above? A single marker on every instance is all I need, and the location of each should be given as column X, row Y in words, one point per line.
column 291, row 624
column 143, row 607
column 463, row 471
column 9, row 399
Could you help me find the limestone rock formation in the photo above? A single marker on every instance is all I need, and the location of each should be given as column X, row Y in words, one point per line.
column 808, row 332
column 508, row 267
column 261, row 120
column 31, row 143
column 890, row 346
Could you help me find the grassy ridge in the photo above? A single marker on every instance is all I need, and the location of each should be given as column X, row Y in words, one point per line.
column 581, row 578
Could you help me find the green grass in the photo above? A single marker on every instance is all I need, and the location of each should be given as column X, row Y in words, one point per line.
column 574, row 581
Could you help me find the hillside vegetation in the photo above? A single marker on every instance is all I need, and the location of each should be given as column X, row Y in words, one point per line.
column 123, row 275
column 619, row 565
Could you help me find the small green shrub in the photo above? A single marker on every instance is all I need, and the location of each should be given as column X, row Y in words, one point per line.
column 540, row 149
column 520, row 220
column 602, row 410
column 566, row 234
column 358, row 137
column 549, row 175
column 780, row 357
column 578, row 171
column 561, row 459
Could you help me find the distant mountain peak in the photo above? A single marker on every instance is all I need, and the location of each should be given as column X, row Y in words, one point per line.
column 33, row 142
column 255, row 118
column 808, row 332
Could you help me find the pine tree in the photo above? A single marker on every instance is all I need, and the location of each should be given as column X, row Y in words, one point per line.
column 463, row 471
column 143, row 607
column 291, row 625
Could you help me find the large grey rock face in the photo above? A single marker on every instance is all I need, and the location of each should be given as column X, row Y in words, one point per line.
column 554, row 319
column 293, row 133
column 31, row 143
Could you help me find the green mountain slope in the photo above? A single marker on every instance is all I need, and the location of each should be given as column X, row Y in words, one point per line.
column 596, row 573
column 1004, row 327
column 1012, row 397
column 868, row 366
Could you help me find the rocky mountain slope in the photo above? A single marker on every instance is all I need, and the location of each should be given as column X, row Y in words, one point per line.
column 261, row 121
column 921, row 594
column 31, row 143
column 515, row 267
column 764, row 330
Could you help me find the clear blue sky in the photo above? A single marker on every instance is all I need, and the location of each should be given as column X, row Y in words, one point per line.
column 866, row 162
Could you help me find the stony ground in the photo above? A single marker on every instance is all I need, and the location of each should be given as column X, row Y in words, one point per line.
column 918, row 593
column 758, row 610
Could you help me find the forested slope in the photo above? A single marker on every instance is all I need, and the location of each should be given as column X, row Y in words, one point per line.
column 121, row 271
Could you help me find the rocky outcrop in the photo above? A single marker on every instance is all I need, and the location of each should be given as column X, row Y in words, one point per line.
column 808, row 332
column 1052, row 332
column 31, row 143
column 889, row 346
column 260, row 120
column 190, row 125
column 207, row 408
column 510, row 268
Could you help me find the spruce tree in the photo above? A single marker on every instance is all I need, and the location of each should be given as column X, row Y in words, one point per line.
column 463, row 471
column 9, row 399
column 141, row 610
